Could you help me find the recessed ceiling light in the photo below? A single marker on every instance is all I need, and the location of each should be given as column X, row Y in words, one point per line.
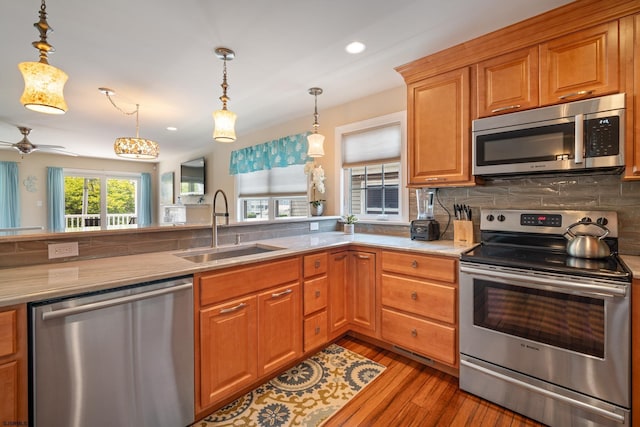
column 172, row 128
column 355, row 47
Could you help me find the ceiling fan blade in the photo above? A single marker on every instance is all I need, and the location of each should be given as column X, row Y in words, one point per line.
column 52, row 150
column 46, row 147
column 6, row 143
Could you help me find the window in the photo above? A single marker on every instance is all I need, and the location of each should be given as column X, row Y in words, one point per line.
column 94, row 200
column 372, row 164
column 272, row 194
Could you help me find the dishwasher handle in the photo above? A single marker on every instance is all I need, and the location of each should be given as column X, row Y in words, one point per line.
column 63, row 312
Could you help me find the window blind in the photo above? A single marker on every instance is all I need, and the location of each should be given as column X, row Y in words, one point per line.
column 289, row 181
column 376, row 145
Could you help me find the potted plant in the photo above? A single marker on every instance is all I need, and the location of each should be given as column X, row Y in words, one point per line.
column 349, row 223
column 317, row 187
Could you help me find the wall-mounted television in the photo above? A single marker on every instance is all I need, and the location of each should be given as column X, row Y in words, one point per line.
column 192, row 177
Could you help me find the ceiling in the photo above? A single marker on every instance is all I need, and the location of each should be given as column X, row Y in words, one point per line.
column 159, row 54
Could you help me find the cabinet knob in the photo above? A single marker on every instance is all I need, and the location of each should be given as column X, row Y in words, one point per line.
column 414, row 264
column 317, row 293
column 317, row 264
column 414, row 332
column 414, row 295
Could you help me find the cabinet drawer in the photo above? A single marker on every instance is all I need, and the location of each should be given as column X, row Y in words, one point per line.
column 8, row 332
column 231, row 283
column 426, row 266
column 315, row 294
column 422, row 336
column 424, row 299
column 315, row 264
column 315, row 330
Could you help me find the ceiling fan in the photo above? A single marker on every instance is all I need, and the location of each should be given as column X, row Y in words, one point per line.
column 26, row 147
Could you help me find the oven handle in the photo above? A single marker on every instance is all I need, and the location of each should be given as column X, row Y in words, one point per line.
column 585, row 406
column 590, row 289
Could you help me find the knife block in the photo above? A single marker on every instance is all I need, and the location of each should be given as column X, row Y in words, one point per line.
column 463, row 232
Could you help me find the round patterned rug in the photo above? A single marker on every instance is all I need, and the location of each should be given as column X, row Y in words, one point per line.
column 306, row 395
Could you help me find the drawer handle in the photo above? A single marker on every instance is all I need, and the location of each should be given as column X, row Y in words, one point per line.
column 414, row 332
column 414, row 295
column 510, row 107
column 363, row 256
column 338, row 258
column 414, row 264
column 317, row 330
column 579, row 93
column 317, row 294
column 317, row 264
column 232, row 309
column 279, row 294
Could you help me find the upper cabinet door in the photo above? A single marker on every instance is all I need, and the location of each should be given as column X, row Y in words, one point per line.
column 508, row 82
column 580, row 65
column 439, row 130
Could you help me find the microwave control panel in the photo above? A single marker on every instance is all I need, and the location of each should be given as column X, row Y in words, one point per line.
column 602, row 136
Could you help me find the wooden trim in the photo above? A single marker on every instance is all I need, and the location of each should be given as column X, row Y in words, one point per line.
column 558, row 22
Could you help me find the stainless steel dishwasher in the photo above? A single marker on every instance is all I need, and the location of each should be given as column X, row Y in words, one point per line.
column 116, row 358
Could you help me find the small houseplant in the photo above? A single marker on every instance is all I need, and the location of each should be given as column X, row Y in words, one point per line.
column 349, row 221
column 317, row 187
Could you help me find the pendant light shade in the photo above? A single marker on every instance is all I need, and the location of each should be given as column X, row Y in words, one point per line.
column 224, row 121
column 132, row 147
column 315, row 140
column 43, row 83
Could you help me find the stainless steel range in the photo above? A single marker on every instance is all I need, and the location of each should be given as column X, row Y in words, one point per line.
column 541, row 332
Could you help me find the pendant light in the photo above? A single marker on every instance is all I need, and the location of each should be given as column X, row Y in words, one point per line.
column 43, row 83
column 224, row 121
column 130, row 147
column 316, row 140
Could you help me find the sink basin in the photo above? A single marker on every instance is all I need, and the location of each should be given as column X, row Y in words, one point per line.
column 224, row 253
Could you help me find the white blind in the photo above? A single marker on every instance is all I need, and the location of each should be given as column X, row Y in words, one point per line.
column 372, row 145
column 289, row 181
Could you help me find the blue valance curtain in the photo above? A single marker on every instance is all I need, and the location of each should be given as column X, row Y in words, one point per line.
column 286, row 151
column 9, row 195
column 55, row 199
column 144, row 213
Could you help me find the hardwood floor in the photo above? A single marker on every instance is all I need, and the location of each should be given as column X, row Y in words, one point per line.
column 409, row 394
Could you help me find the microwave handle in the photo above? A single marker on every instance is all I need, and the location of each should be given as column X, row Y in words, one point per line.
column 579, row 139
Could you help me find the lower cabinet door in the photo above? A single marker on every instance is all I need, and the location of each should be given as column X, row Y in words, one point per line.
column 228, row 357
column 280, row 330
column 9, row 407
column 429, row 339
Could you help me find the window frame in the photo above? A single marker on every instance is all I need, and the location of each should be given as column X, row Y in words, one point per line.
column 341, row 173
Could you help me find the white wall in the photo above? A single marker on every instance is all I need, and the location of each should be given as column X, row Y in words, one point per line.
column 218, row 154
column 33, row 204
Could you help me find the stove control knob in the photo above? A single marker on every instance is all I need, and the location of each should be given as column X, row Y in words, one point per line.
column 602, row 221
column 586, row 219
column 490, row 217
column 501, row 218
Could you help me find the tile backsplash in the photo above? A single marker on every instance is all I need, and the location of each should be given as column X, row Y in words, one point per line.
column 595, row 192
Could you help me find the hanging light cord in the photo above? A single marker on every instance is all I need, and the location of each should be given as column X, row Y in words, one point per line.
column 224, row 98
column 126, row 112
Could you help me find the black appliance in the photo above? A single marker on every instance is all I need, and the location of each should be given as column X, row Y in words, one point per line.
column 425, row 229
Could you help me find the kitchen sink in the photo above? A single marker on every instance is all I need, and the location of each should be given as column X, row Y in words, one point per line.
column 215, row 254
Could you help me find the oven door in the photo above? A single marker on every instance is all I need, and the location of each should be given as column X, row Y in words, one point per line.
column 568, row 331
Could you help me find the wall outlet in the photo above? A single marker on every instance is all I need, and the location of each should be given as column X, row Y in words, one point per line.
column 63, row 250
column 313, row 226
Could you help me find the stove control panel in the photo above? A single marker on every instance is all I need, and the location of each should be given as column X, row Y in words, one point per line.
column 546, row 222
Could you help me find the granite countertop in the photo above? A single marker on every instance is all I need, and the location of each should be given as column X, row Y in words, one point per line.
column 633, row 263
column 47, row 281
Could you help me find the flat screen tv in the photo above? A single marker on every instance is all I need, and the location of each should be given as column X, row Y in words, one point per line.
column 192, row 177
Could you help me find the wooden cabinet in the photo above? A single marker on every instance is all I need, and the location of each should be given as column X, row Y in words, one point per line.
column 579, row 65
column 419, row 304
column 248, row 325
column 439, row 130
column 338, row 275
column 315, row 299
column 13, row 366
column 361, row 293
column 508, row 83
column 632, row 153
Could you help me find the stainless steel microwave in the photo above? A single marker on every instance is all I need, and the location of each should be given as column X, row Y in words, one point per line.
column 580, row 135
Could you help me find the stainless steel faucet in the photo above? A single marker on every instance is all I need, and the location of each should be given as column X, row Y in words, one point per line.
column 214, row 222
